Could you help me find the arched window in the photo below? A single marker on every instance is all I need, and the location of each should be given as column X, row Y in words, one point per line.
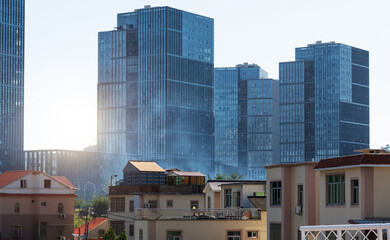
column 17, row 208
column 60, row 208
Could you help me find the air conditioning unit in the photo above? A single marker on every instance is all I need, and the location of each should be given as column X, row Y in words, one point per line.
column 62, row 216
column 147, row 205
column 298, row 210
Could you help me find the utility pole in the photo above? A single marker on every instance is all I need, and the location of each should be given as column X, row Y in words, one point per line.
column 86, row 224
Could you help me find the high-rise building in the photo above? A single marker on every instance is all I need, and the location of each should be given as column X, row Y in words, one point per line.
column 12, row 84
column 155, row 88
column 246, row 105
column 324, row 100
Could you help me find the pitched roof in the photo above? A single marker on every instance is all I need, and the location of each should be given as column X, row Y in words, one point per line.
column 189, row 174
column 145, row 166
column 65, row 181
column 354, row 160
column 259, row 202
column 92, row 224
column 8, row 177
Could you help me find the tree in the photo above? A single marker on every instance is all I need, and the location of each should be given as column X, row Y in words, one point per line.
column 92, row 148
column 99, row 205
column 386, row 148
column 79, row 203
column 233, row 176
column 110, row 235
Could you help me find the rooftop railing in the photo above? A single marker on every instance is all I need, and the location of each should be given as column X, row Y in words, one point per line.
column 380, row 231
column 198, row 214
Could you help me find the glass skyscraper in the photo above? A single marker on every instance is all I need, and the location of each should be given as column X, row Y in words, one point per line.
column 324, row 97
column 155, row 88
column 12, row 84
column 246, row 107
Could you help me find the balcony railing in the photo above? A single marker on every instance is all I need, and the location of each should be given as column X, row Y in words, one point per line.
column 198, row 214
column 351, row 231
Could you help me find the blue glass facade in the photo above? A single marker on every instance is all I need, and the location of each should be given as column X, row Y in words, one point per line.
column 155, row 88
column 324, row 102
column 12, row 84
column 246, row 107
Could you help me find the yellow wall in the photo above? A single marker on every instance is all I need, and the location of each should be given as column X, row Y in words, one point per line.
column 381, row 192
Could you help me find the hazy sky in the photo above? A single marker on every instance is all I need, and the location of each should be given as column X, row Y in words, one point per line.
column 61, row 53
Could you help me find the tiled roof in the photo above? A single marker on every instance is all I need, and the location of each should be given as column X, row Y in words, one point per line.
column 65, row 181
column 92, row 224
column 189, row 174
column 215, row 185
column 8, row 177
column 144, row 166
column 259, row 202
column 354, row 160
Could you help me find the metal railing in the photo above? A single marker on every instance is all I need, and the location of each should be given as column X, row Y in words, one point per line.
column 198, row 214
column 380, row 231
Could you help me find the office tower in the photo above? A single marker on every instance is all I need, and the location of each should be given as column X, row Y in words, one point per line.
column 155, row 88
column 246, row 107
column 324, row 100
column 12, row 84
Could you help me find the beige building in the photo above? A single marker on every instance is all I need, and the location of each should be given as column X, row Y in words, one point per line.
column 178, row 209
column 349, row 189
column 35, row 205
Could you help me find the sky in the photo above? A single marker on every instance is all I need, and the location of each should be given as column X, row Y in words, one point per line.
column 61, row 53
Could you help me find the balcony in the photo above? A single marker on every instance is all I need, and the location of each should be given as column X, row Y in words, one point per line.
column 197, row 214
column 139, row 189
column 380, row 231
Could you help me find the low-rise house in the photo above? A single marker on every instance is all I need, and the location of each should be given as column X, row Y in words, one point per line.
column 177, row 209
column 96, row 228
column 342, row 190
column 35, row 205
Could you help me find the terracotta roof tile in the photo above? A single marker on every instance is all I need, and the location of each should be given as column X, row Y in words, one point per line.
column 92, row 224
column 8, row 177
column 65, row 181
column 144, row 166
column 353, row 160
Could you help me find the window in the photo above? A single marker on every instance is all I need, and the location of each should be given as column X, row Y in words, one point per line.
column 174, row 235
column 101, row 232
column 131, row 206
column 336, row 189
column 17, row 208
column 300, row 195
column 236, row 199
column 152, row 204
column 47, row 183
column 252, row 234
column 169, row 203
column 131, row 230
column 23, row 183
column 194, row 204
column 275, row 231
column 43, row 204
column 117, row 226
column 228, row 198
column 276, row 193
column 234, row 235
column 208, row 202
column 17, row 232
column 60, row 208
column 117, row 205
column 355, row 192
column 141, row 234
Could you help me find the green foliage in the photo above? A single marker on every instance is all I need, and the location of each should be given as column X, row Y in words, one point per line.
column 386, row 148
column 79, row 203
column 78, row 221
column 110, row 235
column 233, row 176
column 99, row 205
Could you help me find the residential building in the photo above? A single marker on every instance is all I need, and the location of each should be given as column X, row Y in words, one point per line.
column 89, row 171
column 155, row 88
column 36, row 205
column 324, row 102
column 96, row 228
column 349, row 189
column 246, row 105
column 12, row 85
column 177, row 209
column 292, row 199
